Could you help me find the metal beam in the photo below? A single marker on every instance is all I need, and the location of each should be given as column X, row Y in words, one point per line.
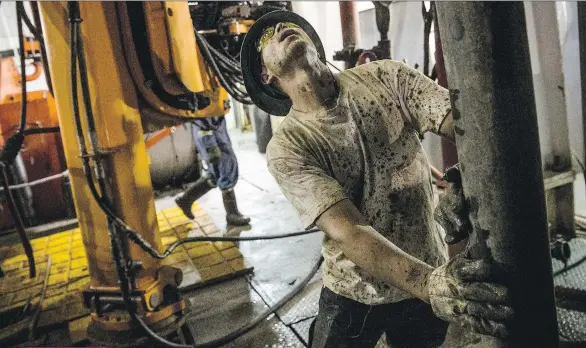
column 582, row 38
column 489, row 74
column 551, row 112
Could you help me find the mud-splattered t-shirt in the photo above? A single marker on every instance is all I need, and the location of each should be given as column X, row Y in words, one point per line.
column 367, row 150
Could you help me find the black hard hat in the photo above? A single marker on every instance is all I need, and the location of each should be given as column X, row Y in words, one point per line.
column 264, row 96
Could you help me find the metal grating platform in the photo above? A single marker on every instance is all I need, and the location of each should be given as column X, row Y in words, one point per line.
column 202, row 263
column 570, row 286
column 572, row 278
column 572, row 325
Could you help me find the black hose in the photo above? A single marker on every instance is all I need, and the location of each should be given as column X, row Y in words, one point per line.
column 333, row 66
column 11, row 150
column 228, row 60
column 44, row 130
column 36, row 30
column 155, row 254
column 223, row 57
column 27, row 21
column 74, row 89
column 230, row 67
column 204, row 48
column 91, row 124
column 16, row 217
column 23, row 101
column 44, row 59
column 89, row 115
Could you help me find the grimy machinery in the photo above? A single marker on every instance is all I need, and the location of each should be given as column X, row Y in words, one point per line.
column 118, row 69
column 115, row 70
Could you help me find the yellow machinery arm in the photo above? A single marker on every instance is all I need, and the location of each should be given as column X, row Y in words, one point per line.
column 120, row 81
column 165, row 64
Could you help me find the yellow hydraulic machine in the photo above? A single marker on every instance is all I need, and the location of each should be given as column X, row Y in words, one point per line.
column 106, row 90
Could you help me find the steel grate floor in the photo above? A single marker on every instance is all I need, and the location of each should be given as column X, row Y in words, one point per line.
column 570, row 281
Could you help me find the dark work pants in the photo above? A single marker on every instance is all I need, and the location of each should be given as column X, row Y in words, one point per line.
column 345, row 323
column 224, row 172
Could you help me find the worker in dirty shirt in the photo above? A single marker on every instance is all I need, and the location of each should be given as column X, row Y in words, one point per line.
column 348, row 158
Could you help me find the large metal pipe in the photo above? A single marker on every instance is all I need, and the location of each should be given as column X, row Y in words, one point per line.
column 349, row 19
column 489, row 73
column 449, row 152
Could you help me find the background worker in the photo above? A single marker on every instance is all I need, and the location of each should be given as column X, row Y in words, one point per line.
column 220, row 169
column 349, row 159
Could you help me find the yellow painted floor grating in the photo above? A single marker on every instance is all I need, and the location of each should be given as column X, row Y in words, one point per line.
column 202, row 263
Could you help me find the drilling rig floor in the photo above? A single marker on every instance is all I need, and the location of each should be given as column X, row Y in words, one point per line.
column 61, row 256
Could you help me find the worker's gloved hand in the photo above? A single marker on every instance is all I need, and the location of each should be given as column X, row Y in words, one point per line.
column 452, row 211
column 461, row 292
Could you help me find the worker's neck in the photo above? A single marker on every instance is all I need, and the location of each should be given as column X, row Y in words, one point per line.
column 312, row 89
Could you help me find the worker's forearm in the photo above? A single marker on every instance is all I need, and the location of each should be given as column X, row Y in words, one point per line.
column 387, row 262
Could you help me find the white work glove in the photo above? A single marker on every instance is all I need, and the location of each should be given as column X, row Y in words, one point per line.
column 461, row 292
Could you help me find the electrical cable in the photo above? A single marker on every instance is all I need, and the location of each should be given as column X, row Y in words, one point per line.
column 333, row 66
column 227, row 83
column 210, row 60
column 23, row 101
column 115, row 244
column 27, row 21
column 43, row 130
column 44, row 59
column 16, row 217
column 225, row 58
column 36, row 30
column 37, row 182
column 155, row 254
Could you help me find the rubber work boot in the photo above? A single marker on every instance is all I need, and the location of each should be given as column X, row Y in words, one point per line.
column 194, row 192
column 233, row 216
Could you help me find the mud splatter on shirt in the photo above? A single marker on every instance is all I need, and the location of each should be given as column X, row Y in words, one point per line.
column 366, row 149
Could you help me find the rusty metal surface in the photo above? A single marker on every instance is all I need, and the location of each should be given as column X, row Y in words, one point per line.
column 349, row 19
